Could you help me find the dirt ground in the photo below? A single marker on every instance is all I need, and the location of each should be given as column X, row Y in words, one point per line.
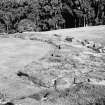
column 61, row 67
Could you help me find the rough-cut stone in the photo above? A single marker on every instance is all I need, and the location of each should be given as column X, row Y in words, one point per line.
column 69, row 39
column 63, row 83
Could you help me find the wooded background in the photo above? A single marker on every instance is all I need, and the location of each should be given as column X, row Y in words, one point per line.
column 44, row 15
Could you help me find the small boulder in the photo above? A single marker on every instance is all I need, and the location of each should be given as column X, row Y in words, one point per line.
column 103, row 50
column 98, row 46
column 69, row 39
column 91, row 44
column 63, row 83
column 9, row 103
column 80, row 79
column 84, row 42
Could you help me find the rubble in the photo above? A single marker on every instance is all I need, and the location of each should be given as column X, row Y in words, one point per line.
column 94, row 46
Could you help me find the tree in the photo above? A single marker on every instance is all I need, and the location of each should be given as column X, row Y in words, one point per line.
column 100, row 11
column 5, row 17
column 84, row 11
column 68, row 13
column 2, row 28
column 50, row 12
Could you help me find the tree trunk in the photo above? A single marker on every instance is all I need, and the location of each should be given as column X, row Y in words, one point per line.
column 7, row 28
column 75, row 23
column 79, row 22
column 98, row 11
column 84, row 22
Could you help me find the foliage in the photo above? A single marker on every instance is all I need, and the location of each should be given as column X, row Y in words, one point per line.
column 26, row 25
column 52, row 14
column 2, row 28
column 48, row 14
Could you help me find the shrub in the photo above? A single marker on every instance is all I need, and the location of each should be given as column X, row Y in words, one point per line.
column 26, row 25
column 2, row 28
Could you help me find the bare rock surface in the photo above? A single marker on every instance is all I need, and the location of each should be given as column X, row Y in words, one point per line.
column 52, row 69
